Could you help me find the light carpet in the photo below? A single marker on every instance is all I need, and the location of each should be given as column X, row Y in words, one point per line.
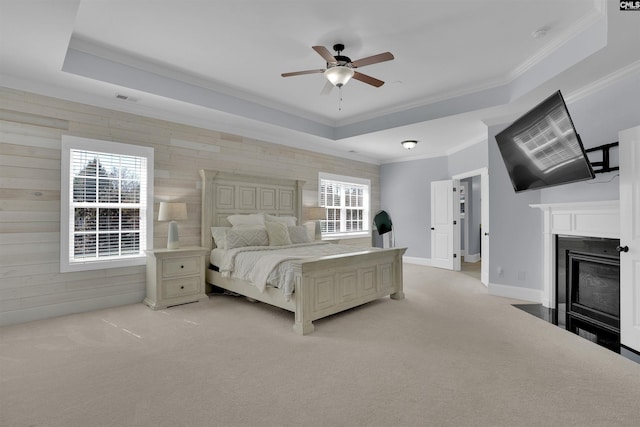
column 447, row 355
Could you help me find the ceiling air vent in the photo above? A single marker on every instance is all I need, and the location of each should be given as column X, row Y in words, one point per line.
column 126, row 97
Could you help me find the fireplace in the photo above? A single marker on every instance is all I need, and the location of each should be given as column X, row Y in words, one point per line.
column 595, row 225
column 592, row 288
column 590, row 232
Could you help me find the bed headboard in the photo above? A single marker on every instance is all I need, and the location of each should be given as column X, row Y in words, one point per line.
column 225, row 194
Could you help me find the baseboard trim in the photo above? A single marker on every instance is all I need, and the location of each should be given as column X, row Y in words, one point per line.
column 72, row 307
column 416, row 260
column 516, row 292
column 472, row 258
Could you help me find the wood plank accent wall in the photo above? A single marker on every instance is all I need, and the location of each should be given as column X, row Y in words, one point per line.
column 31, row 127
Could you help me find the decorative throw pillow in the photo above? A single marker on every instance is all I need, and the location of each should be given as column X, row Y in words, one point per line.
column 219, row 236
column 299, row 234
column 278, row 234
column 250, row 219
column 241, row 237
column 288, row 220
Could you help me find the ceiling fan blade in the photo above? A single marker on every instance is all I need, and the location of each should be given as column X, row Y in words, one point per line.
column 381, row 57
column 367, row 79
column 299, row 73
column 324, row 52
column 326, row 90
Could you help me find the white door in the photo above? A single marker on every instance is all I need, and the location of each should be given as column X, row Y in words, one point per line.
column 445, row 224
column 630, row 237
column 484, row 239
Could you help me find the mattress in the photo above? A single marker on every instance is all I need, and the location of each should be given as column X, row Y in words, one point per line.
column 272, row 265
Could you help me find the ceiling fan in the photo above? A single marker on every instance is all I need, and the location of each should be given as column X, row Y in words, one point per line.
column 340, row 69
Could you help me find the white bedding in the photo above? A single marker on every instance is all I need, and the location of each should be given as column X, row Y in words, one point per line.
column 217, row 255
column 271, row 265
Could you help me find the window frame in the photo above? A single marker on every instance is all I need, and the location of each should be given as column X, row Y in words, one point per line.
column 67, row 215
column 366, row 220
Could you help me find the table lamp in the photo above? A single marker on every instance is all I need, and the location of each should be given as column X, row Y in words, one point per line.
column 172, row 212
column 315, row 214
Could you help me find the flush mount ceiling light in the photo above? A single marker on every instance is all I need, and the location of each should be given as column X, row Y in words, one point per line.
column 409, row 143
column 339, row 75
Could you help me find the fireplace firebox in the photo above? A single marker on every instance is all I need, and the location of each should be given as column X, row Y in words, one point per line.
column 593, row 297
column 588, row 291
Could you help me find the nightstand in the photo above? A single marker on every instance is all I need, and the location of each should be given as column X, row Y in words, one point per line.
column 175, row 276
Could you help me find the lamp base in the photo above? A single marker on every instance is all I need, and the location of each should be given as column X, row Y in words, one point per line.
column 173, row 241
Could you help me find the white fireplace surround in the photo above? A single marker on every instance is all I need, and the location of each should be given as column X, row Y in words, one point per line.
column 588, row 219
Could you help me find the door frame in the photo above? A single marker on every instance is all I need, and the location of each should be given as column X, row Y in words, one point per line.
column 484, row 217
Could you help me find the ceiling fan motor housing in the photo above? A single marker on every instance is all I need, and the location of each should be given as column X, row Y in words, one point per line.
column 341, row 59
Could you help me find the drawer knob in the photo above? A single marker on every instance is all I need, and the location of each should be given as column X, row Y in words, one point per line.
column 181, row 287
column 182, row 266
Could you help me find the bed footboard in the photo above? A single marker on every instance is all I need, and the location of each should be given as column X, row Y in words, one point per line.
column 332, row 284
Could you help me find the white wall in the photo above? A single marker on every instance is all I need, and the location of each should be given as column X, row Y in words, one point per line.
column 31, row 285
column 406, row 194
column 516, row 229
column 598, row 118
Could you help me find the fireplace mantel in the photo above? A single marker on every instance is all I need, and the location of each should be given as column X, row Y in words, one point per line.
column 589, row 219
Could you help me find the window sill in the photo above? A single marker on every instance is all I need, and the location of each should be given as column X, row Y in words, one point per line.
column 102, row 265
column 345, row 236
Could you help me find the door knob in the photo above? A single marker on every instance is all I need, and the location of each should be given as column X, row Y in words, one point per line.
column 486, row 234
column 622, row 248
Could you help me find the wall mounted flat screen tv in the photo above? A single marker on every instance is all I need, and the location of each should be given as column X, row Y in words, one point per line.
column 543, row 149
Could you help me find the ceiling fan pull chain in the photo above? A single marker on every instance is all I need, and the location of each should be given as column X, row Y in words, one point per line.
column 340, row 98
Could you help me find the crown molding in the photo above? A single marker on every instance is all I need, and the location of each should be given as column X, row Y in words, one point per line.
column 624, row 73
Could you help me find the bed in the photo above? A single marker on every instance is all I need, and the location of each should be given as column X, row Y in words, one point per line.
column 321, row 284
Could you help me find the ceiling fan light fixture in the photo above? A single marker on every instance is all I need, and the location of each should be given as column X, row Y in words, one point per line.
column 409, row 143
column 339, row 75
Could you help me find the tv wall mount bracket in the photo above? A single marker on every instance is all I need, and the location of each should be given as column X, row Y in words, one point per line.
column 604, row 164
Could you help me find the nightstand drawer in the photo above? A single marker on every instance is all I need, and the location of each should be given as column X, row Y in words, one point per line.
column 173, row 267
column 180, row 287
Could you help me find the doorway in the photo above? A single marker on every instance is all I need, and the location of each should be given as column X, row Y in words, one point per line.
column 475, row 261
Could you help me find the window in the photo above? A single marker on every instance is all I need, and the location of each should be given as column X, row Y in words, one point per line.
column 106, row 213
column 346, row 200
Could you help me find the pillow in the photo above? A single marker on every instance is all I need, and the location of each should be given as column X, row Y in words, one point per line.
column 241, row 237
column 299, row 234
column 251, row 219
column 278, row 234
column 288, row 220
column 219, row 236
column 248, row 227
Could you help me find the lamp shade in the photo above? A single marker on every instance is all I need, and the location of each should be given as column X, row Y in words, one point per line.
column 314, row 213
column 172, row 211
column 339, row 75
